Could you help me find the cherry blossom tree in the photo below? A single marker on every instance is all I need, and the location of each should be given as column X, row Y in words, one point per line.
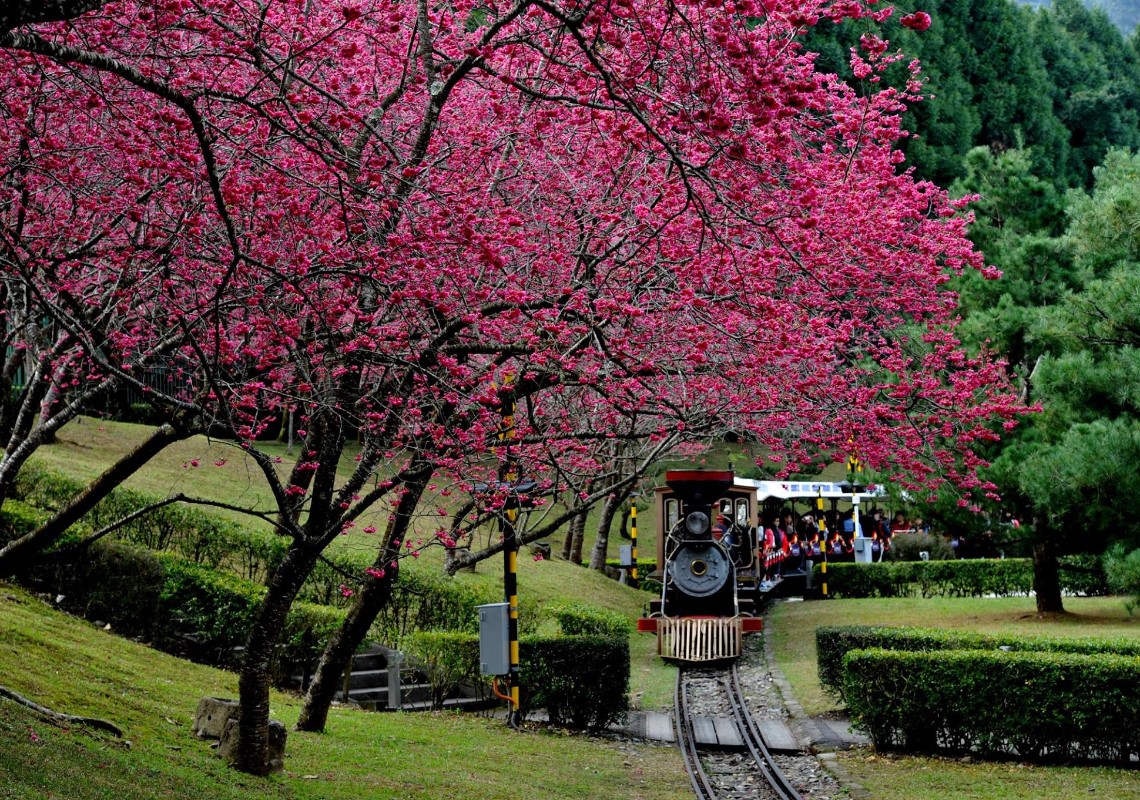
column 379, row 213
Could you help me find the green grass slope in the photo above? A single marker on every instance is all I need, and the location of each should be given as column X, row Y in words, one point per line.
column 71, row 666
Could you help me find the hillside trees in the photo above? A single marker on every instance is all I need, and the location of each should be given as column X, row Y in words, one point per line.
column 1064, row 315
column 988, row 65
column 380, row 214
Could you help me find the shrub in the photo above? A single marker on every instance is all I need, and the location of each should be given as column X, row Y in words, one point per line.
column 423, row 601
column 577, row 619
column 960, row 578
column 1034, row 705
column 833, row 643
column 581, row 681
column 908, row 546
column 1122, row 573
column 448, row 658
column 18, row 518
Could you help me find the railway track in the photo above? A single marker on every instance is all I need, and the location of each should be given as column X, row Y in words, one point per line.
column 718, row 775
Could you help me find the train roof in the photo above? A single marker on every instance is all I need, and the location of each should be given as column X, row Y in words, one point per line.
column 789, row 490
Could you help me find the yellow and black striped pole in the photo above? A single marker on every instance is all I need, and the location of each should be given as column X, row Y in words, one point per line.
column 822, row 538
column 510, row 548
column 633, row 542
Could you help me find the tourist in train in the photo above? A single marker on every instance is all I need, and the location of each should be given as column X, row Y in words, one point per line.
column 879, row 525
column 835, row 549
column 795, row 560
column 900, row 525
column 814, row 548
column 722, row 527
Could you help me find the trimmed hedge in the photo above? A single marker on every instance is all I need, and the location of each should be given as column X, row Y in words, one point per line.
column 833, row 643
column 178, row 606
column 1039, row 706
column 420, row 601
column 975, row 577
column 448, row 658
column 195, row 535
column 581, row 681
column 577, row 619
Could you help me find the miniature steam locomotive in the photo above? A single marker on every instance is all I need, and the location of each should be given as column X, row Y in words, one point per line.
column 708, row 570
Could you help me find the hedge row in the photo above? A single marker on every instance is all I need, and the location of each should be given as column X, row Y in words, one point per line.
column 174, row 604
column 577, row 619
column 1040, row 706
column 833, row 643
column 420, row 601
column 959, row 578
column 581, row 681
column 176, row 528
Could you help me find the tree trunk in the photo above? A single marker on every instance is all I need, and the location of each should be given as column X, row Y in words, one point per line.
column 568, row 542
column 1046, row 574
column 602, row 542
column 18, row 552
column 577, row 534
column 253, row 682
column 369, row 602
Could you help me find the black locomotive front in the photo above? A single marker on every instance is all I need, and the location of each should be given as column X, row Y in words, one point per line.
column 699, row 575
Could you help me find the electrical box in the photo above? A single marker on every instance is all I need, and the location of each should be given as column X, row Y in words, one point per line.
column 625, row 555
column 494, row 639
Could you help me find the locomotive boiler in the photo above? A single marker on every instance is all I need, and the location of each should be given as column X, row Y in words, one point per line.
column 705, row 562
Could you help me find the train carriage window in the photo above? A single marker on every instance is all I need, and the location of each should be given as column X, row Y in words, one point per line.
column 742, row 512
column 672, row 514
column 726, row 507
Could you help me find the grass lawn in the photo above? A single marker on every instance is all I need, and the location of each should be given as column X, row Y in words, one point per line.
column 906, row 778
column 71, row 666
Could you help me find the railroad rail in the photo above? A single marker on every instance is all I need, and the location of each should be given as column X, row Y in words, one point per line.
column 725, row 775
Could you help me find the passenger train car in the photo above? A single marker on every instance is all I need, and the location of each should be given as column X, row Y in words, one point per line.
column 711, row 559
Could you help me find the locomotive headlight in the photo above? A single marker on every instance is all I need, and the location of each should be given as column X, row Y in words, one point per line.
column 697, row 522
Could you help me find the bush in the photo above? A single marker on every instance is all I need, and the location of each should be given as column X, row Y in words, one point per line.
column 196, row 535
column 833, row 643
column 908, row 546
column 424, row 601
column 1122, row 573
column 577, row 619
column 18, row 519
column 960, row 578
column 581, row 681
column 448, row 658
column 1033, row 705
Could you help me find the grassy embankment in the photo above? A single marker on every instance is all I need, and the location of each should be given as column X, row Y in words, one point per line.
column 904, row 778
column 74, row 667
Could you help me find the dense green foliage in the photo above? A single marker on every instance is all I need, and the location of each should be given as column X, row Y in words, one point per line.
column 581, row 681
column 1061, row 81
column 580, row 677
column 579, row 619
column 1122, row 570
column 1032, row 705
column 834, row 642
column 960, row 578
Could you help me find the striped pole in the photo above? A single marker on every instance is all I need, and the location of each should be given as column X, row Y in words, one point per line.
column 510, row 550
column 822, row 537
column 633, row 543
